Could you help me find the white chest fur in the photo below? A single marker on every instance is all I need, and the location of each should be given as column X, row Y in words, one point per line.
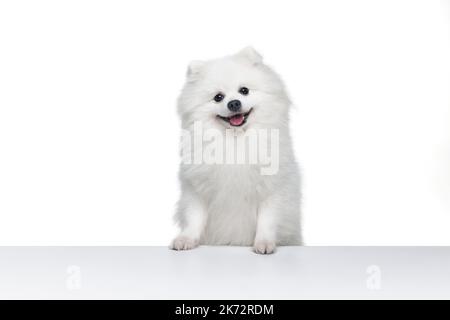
column 230, row 194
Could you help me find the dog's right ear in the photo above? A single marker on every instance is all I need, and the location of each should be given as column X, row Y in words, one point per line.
column 194, row 69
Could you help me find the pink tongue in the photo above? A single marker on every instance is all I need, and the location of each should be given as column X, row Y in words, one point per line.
column 237, row 119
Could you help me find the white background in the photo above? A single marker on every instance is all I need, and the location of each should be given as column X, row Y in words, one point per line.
column 89, row 132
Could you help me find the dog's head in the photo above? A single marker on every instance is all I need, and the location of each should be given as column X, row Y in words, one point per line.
column 234, row 91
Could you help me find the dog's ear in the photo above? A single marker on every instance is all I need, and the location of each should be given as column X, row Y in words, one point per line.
column 194, row 68
column 251, row 55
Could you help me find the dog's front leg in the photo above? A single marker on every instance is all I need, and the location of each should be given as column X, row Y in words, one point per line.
column 266, row 228
column 192, row 218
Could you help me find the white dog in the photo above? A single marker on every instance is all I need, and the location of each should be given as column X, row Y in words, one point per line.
column 229, row 202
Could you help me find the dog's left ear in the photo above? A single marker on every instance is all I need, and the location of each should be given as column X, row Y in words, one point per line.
column 251, row 55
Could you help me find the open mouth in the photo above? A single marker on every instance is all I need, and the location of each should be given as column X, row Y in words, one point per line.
column 236, row 120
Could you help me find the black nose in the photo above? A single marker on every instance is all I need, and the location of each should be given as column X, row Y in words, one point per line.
column 234, row 105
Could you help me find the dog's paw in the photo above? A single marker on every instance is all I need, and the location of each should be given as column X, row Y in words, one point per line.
column 264, row 247
column 183, row 243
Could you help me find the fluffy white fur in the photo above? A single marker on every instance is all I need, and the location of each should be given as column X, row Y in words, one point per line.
column 233, row 204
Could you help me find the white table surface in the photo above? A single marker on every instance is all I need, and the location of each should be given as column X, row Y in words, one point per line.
column 224, row 273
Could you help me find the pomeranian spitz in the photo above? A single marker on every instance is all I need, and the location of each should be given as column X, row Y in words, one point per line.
column 239, row 178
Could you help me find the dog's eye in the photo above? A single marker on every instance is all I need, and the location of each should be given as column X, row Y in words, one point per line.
column 243, row 91
column 218, row 97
